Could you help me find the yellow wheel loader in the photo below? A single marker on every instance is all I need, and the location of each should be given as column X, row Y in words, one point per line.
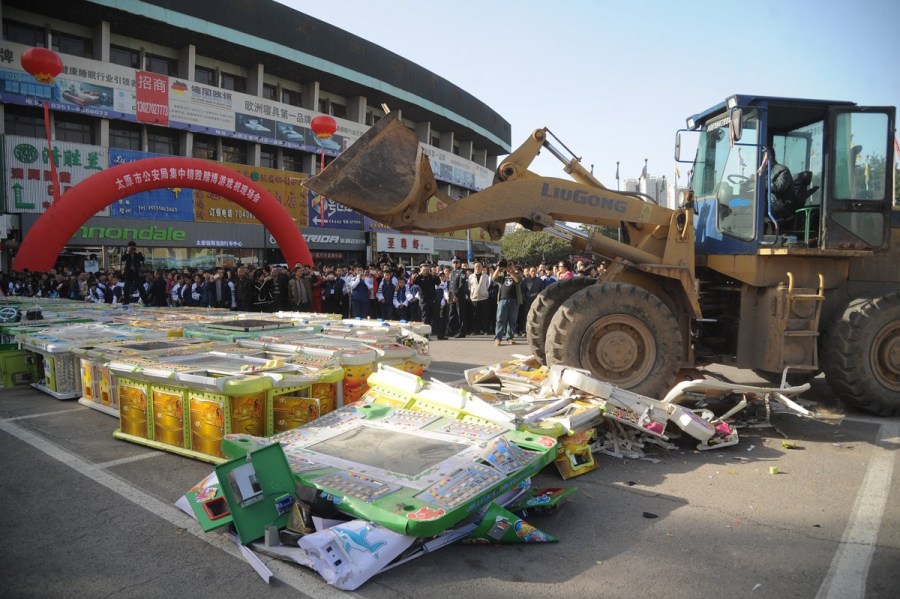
column 783, row 256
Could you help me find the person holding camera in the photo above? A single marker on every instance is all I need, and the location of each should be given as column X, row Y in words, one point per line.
column 300, row 290
column 509, row 297
column 219, row 291
column 132, row 262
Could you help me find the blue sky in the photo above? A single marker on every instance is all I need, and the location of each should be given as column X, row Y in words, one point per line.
column 615, row 80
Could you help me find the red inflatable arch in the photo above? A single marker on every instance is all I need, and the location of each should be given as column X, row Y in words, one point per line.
column 53, row 230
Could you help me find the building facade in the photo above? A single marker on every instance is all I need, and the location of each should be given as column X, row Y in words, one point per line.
column 233, row 81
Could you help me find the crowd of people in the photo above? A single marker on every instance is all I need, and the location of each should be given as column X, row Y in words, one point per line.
column 456, row 300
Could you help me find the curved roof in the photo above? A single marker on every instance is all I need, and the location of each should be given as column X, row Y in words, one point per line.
column 307, row 49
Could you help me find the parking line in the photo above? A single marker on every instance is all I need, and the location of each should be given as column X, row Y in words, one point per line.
column 294, row 576
column 134, row 458
column 849, row 571
column 42, row 414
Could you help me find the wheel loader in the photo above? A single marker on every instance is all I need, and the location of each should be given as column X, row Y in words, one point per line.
column 788, row 274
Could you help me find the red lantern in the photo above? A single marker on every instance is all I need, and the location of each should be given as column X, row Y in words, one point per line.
column 42, row 64
column 323, row 126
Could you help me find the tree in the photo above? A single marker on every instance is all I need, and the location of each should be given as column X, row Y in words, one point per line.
column 531, row 247
column 606, row 231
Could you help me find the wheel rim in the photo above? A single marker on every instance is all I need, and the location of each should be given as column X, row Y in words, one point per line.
column 618, row 348
column 885, row 356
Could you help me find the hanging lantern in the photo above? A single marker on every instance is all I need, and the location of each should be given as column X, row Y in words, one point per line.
column 42, row 64
column 323, row 126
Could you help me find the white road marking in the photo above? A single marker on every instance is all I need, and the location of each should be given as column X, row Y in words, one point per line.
column 134, row 458
column 310, row 585
column 849, row 571
column 42, row 414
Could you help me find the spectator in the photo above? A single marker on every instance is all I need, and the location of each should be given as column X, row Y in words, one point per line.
column 300, row 290
column 219, row 291
column 133, row 261
column 479, row 285
column 509, row 297
column 264, row 300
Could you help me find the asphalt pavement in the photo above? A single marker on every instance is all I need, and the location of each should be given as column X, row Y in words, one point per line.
column 85, row 515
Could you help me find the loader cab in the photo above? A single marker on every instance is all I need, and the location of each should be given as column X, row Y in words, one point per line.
column 839, row 157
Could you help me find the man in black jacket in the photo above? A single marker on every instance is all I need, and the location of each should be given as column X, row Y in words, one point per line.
column 457, row 321
column 157, row 293
column 429, row 303
column 132, row 262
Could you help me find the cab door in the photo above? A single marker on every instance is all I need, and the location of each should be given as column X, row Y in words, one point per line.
column 857, row 210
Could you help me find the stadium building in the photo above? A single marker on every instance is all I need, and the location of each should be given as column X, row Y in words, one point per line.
column 232, row 81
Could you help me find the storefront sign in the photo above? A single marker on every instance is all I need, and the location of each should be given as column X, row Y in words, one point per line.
column 99, row 233
column 329, row 239
column 327, row 213
column 119, row 231
column 407, row 244
column 28, row 186
column 285, row 186
column 152, row 98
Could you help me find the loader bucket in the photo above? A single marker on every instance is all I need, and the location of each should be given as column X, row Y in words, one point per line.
column 382, row 175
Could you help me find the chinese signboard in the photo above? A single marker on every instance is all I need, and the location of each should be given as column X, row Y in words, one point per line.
column 152, row 98
column 327, row 213
column 286, row 186
column 168, row 203
column 28, row 186
column 406, row 244
column 108, row 90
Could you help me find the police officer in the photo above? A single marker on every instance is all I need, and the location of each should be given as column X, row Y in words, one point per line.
column 428, row 284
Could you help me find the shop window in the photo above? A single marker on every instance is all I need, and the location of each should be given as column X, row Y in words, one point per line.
column 23, row 121
column 73, row 45
column 162, row 65
column 291, row 160
column 204, row 147
column 234, row 83
column 205, row 76
column 21, row 33
column 74, row 129
column 267, row 158
column 234, row 152
column 291, row 97
column 124, row 135
column 125, row 57
column 162, row 141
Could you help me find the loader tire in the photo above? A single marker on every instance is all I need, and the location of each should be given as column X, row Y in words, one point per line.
column 544, row 307
column 622, row 334
column 862, row 355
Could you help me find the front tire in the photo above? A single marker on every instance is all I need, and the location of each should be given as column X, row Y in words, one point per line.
column 862, row 355
column 545, row 306
column 622, row 334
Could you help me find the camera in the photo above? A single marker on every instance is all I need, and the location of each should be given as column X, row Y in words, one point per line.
column 502, row 263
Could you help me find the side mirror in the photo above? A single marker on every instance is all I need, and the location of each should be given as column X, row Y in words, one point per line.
column 736, row 123
column 678, row 146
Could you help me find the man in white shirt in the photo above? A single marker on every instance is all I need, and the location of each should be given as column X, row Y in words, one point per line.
column 479, row 281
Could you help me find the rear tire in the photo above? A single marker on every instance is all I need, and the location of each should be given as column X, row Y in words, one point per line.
column 622, row 334
column 545, row 306
column 862, row 355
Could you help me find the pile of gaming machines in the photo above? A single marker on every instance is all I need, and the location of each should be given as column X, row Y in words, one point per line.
column 414, row 465
column 330, row 449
